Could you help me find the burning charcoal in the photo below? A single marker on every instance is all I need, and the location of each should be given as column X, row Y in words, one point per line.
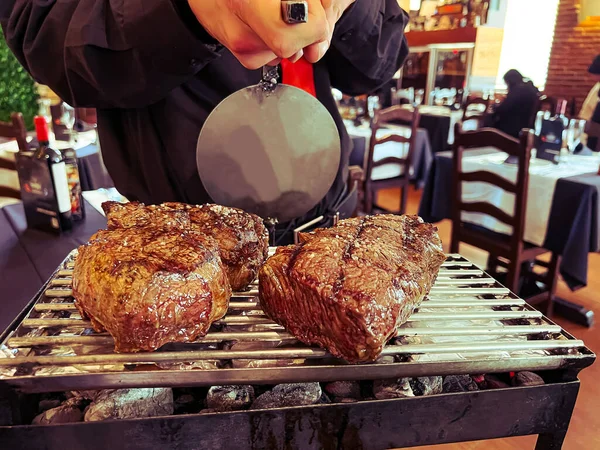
column 284, row 395
column 45, row 405
column 68, row 412
column 459, row 383
column 479, row 380
column 131, row 404
column 392, row 388
column 493, row 382
column 426, row 385
column 527, row 379
column 343, row 389
column 229, row 398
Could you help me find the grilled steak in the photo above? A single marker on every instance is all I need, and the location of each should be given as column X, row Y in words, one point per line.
column 150, row 286
column 349, row 287
column 242, row 238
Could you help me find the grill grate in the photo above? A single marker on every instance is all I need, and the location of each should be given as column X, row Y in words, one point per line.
column 468, row 324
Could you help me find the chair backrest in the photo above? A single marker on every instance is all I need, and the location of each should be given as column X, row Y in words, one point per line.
column 15, row 129
column 395, row 114
column 475, row 109
column 521, row 149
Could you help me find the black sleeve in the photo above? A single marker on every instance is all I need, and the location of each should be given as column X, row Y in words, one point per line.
column 368, row 46
column 510, row 103
column 107, row 53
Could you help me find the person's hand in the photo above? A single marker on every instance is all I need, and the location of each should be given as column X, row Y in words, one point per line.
column 255, row 33
column 333, row 11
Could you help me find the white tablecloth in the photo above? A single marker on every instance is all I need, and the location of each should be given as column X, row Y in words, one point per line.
column 543, row 176
column 394, row 149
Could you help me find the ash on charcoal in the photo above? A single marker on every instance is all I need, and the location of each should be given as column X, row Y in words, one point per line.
column 130, row 404
column 423, row 386
column 284, row 395
column 87, row 395
column 343, row 389
column 527, row 379
column 388, row 359
column 68, row 412
column 392, row 388
column 459, row 383
column 230, row 398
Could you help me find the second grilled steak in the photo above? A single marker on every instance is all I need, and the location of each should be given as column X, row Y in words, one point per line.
column 242, row 238
column 349, row 287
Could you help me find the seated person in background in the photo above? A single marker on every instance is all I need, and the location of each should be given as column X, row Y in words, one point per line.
column 516, row 111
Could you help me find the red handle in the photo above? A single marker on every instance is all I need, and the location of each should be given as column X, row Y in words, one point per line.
column 299, row 74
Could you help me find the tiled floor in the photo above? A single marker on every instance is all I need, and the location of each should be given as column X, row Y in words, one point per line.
column 583, row 432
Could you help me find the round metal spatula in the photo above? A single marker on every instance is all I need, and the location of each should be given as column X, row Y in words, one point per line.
column 270, row 149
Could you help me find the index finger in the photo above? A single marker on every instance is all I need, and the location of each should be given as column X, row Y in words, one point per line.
column 265, row 19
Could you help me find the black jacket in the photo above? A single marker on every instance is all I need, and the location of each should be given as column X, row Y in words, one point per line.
column 517, row 109
column 155, row 78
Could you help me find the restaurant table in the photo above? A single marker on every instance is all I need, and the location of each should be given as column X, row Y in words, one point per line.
column 439, row 122
column 29, row 257
column 572, row 227
column 422, row 153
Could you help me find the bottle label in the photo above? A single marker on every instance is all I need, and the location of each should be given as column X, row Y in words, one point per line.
column 74, row 189
column 61, row 187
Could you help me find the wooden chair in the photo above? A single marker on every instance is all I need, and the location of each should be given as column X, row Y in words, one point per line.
column 383, row 117
column 356, row 178
column 471, row 113
column 510, row 252
column 13, row 130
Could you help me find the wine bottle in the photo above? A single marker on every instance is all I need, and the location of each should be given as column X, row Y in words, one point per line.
column 58, row 174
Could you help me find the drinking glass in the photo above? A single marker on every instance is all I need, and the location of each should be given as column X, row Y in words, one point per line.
column 574, row 133
column 67, row 118
column 419, row 93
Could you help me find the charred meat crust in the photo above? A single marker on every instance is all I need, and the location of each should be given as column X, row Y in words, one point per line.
column 242, row 238
column 349, row 287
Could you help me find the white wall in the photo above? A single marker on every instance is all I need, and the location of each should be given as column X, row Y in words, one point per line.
column 528, row 34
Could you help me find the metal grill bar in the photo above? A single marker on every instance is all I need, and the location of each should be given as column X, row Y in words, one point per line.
column 98, row 339
column 436, row 291
column 261, row 319
column 105, row 339
column 254, row 306
column 293, row 353
column 45, row 307
column 463, row 292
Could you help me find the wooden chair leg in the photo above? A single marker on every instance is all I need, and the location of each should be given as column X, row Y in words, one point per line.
column 455, row 239
column 552, row 278
column 492, row 264
column 514, row 272
column 403, row 199
column 368, row 201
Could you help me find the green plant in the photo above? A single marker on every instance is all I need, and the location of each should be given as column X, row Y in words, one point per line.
column 17, row 89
